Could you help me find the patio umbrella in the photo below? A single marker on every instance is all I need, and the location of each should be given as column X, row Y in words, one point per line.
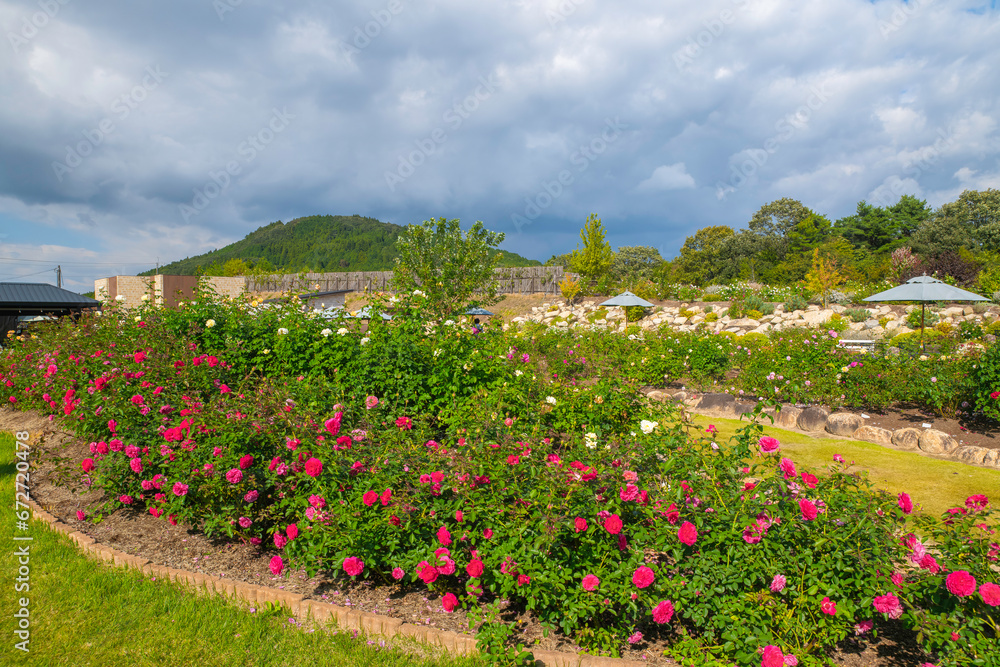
column 924, row 289
column 626, row 300
column 478, row 311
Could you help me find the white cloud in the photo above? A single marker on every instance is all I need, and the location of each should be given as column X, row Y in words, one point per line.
column 668, row 177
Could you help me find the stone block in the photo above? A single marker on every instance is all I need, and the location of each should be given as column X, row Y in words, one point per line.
column 906, row 438
column 843, row 423
column 880, row 436
column 813, row 419
column 937, row 442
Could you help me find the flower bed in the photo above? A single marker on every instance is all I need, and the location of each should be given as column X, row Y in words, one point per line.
column 464, row 463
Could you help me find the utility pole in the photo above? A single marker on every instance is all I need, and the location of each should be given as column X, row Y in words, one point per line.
column 59, row 276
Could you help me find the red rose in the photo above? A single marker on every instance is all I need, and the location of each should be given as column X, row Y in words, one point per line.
column 475, row 568
column 314, row 467
column 581, row 524
column 613, row 524
column 808, row 509
column 961, row 583
column 687, row 533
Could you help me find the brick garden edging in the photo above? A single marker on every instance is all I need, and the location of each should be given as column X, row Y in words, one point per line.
column 812, row 420
column 308, row 609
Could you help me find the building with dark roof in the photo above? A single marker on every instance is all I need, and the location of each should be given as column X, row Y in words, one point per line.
column 20, row 301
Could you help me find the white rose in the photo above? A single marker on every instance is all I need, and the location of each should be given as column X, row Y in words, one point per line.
column 590, row 439
column 551, row 400
column 518, row 373
column 209, row 324
column 145, row 297
column 325, row 332
column 120, row 297
column 341, row 331
column 647, row 426
column 448, row 323
column 437, row 352
column 138, row 318
column 364, row 341
column 282, row 331
column 417, row 292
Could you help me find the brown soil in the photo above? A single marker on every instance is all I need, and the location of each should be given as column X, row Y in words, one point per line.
column 976, row 432
column 55, row 487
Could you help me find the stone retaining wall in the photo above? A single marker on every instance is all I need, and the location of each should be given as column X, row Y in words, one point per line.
column 843, row 424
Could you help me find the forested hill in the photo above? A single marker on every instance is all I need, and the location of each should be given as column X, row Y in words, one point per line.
column 317, row 243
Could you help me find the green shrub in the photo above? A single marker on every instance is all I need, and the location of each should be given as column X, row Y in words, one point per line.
column 754, row 314
column 795, row 302
column 712, row 297
column 913, row 319
column 767, row 309
column 857, row 314
column 711, row 317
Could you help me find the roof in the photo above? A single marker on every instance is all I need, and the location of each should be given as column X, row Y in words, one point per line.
column 925, row 288
column 40, row 298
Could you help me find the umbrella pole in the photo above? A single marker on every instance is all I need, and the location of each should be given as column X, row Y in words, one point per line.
column 922, row 305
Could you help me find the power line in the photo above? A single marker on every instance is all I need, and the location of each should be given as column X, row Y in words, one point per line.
column 48, row 261
column 27, row 275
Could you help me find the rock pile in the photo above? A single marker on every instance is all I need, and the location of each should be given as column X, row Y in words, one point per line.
column 881, row 319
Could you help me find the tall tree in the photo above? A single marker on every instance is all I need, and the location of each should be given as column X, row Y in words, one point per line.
column 633, row 263
column 449, row 267
column 700, row 256
column 593, row 261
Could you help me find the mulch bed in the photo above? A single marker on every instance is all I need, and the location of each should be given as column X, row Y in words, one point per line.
column 55, row 487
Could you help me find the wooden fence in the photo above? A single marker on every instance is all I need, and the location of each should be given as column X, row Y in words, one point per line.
column 516, row 280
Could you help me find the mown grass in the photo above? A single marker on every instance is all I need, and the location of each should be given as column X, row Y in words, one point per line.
column 83, row 612
column 934, row 484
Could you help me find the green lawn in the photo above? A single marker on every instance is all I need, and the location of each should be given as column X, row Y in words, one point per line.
column 934, row 484
column 83, row 612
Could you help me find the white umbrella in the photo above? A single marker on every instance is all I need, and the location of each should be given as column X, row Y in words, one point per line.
column 627, row 300
column 924, row 289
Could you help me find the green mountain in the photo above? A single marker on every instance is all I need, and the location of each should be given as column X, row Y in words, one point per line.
column 317, row 243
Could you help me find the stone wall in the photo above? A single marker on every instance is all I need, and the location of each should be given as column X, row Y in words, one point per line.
column 842, row 424
column 166, row 290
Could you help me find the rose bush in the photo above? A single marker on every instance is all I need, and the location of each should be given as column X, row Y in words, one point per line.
column 498, row 465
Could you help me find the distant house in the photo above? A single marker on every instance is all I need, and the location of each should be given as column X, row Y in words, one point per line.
column 163, row 289
column 20, row 302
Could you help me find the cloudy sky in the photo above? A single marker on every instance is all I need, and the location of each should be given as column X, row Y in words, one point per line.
column 141, row 131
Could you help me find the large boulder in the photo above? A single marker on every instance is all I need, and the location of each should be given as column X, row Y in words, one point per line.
column 812, row 419
column 992, row 458
column 972, row 455
column 937, row 442
column 843, row 423
column 815, row 317
column 906, row 438
column 788, row 417
column 717, row 405
column 880, row 436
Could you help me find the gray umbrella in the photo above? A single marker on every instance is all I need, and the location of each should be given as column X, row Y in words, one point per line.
column 924, row 289
column 625, row 300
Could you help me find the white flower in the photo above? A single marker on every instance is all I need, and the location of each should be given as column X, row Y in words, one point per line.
column 448, row 323
column 341, row 331
column 98, row 313
column 138, row 318
column 590, row 439
column 325, row 332
column 209, row 324
column 393, row 299
column 145, row 297
column 282, row 331
column 437, row 352
column 551, row 400
column 647, row 426
column 467, row 367
column 417, row 292
column 120, row 297
column 364, row 341
column 518, row 373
